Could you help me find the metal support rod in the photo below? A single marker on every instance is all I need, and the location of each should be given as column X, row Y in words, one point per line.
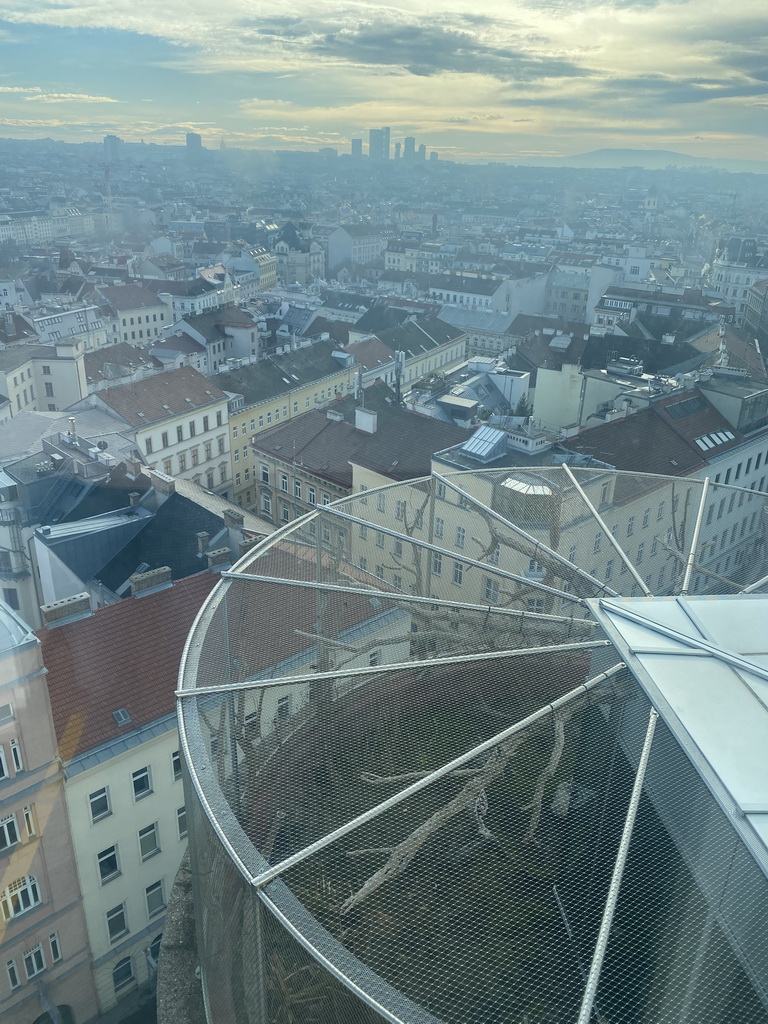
column 395, row 595
column 695, row 539
column 755, row 586
column 604, row 526
column 397, row 666
column 601, row 945
column 438, row 773
column 509, row 525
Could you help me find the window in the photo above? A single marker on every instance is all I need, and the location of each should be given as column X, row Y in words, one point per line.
column 6, row 713
column 400, row 510
column 181, row 821
column 109, row 866
column 661, row 509
column 380, row 571
column 491, row 590
column 168, row 467
column 13, row 974
column 99, row 801
column 34, row 961
column 220, row 445
column 285, row 513
column 164, row 439
column 608, row 571
column 397, row 581
column 11, row 598
column 284, row 482
column 437, row 563
column 234, row 431
column 176, row 765
column 18, row 764
column 493, row 555
column 397, row 549
column 117, row 923
column 46, row 371
column 326, row 498
column 183, row 462
column 180, row 433
column 374, row 658
column 55, row 946
column 630, row 526
column 461, row 536
column 48, row 389
column 640, row 552
column 363, row 498
column 9, row 832
column 598, row 541
column 19, row 897
column 266, row 504
column 29, row 822
column 381, row 502
column 155, row 898
column 122, row 973
column 264, row 470
column 142, row 783
column 148, row 446
column 149, row 843
column 536, row 604
column 458, row 574
column 311, row 495
column 297, row 489
column 439, row 526
column 379, row 540
column 439, row 490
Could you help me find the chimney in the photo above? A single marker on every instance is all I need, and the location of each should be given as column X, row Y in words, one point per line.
column 68, row 609
column 365, row 420
column 232, row 520
column 134, row 497
column 143, row 583
column 132, row 467
column 202, row 541
column 219, row 557
column 162, row 483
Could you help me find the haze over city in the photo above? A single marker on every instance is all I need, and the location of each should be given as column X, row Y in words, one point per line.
column 498, row 83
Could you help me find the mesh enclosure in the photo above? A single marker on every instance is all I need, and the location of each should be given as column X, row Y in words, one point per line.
column 416, row 761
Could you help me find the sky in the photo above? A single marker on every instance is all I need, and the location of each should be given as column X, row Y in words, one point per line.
column 497, row 81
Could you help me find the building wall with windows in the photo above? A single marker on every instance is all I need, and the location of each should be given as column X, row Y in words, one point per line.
column 126, row 810
column 43, row 940
column 43, row 378
column 260, row 416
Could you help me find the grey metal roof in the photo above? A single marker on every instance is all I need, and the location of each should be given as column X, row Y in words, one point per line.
column 469, row 320
column 703, row 661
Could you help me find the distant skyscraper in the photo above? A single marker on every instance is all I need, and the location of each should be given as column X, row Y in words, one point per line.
column 376, row 144
column 357, row 148
column 433, row 155
column 385, row 133
column 422, row 152
column 398, row 147
column 112, row 148
column 409, row 149
column 194, row 142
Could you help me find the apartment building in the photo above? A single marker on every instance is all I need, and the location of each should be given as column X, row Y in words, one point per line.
column 45, row 954
column 180, row 422
column 111, row 678
column 43, row 377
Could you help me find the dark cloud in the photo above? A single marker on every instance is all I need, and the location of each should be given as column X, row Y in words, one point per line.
column 429, row 49
column 661, row 88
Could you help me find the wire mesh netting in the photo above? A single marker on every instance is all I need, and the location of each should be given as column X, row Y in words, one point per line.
column 414, row 755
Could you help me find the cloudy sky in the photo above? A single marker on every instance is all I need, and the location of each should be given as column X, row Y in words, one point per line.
column 536, row 77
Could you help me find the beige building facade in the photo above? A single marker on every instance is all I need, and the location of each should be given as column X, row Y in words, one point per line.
column 43, row 939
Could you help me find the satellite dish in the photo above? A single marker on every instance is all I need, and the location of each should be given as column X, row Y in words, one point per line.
column 102, row 445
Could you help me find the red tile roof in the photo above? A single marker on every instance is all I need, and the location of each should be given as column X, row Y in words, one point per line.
column 123, row 656
column 163, row 397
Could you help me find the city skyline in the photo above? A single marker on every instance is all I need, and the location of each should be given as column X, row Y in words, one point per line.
column 549, row 82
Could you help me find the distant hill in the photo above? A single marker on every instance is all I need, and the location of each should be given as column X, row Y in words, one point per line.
column 651, row 159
